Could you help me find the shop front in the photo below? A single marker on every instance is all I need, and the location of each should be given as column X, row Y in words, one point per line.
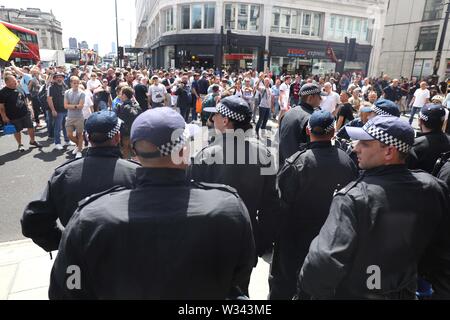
column 308, row 57
column 241, row 61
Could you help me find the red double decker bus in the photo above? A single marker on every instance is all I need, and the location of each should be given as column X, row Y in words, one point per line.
column 27, row 50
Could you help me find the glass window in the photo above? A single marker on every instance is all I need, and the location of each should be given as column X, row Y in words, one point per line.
column 357, row 29
column 196, row 16
column 230, row 16
column 427, row 38
column 433, row 9
column 340, row 28
column 349, row 29
column 210, row 12
column 365, row 30
column 243, row 17
column 254, row 17
column 169, row 20
column 294, row 21
column 332, row 24
column 285, row 21
column 185, row 17
column 316, row 24
column 276, row 20
column 306, row 25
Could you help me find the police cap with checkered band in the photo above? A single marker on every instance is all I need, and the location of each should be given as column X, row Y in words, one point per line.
column 102, row 126
column 384, row 107
column 321, row 123
column 391, row 131
column 162, row 127
column 234, row 108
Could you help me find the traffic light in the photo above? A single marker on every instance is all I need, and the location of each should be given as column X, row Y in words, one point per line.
column 121, row 53
column 351, row 52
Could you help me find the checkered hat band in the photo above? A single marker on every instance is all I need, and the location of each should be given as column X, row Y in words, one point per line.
column 423, row 117
column 310, row 92
column 327, row 130
column 223, row 110
column 174, row 146
column 389, row 140
column 380, row 112
column 115, row 130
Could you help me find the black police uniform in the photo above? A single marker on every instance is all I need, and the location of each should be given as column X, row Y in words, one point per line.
column 390, row 219
column 307, row 184
column 293, row 130
column 167, row 239
column 101, row 170
column 444, row 173
column 258, row 191
column 427, row 150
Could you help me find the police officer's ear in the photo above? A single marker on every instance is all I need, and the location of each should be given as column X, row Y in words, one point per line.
column 116, row 139
column 308, row 131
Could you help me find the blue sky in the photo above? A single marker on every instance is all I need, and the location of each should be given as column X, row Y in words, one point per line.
column 90, row 20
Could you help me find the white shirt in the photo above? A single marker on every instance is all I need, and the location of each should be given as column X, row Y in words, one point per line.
column 330, row 102
column 284, row 99
column 157, row 93
column 421, row 98
column 88, row 103
column 93, row 84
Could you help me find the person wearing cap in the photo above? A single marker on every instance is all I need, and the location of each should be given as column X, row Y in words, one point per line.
column 364, row 113
column 293, row 124
column 249, row 158
column 56, row 103
column 384, row 229
column 432, row 142
column 306, row 183
column 170, row 238
column 384, row 107
column 100, row 170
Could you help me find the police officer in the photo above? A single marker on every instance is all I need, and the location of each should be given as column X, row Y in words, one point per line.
column 101, row 170
column 168, row 239
column 432, row 143
column 384, row 107
column 307, row 183
column 250, row 170
column 294, row 123
column 382, row 226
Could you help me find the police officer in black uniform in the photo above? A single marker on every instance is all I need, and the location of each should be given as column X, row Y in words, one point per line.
column 307, row 184
column 100, row 170
column 250, row 170
column 432, row 143
column 383, row 230
column 167, row 239
column 294, row 123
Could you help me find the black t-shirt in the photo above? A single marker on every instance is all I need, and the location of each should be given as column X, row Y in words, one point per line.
column 203, row 86
column 346, row 112
column 57, row 93
column 14, row 102
column 140, row 92
column 102, row 96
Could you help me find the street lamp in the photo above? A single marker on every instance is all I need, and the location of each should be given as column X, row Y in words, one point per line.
column 119, row 63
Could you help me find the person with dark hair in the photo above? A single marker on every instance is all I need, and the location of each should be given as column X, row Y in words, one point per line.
column 72, row 182
column 128, row 110
column 385, row 229
column 237, row 160
column 307, row 183
column 432, row 142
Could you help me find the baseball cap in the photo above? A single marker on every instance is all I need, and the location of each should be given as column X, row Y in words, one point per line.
column 164, row 128
column 311, row 89
column 104, row 123
column 385, row 107
column 389, row 130
column 432, row 113
column 321, row 123
column 234, row 108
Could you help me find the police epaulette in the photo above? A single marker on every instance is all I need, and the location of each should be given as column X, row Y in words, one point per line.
column 295, row 157
column 68, row 162
column 96, row 196
column 349, row 187
column 212, row 186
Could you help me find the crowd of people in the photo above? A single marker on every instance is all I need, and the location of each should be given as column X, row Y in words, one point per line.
column 358, row 194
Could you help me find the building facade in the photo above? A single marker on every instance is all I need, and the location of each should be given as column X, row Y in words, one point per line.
column 44, row 23
column 411, row 39
column 286, row 36
column 73, row 43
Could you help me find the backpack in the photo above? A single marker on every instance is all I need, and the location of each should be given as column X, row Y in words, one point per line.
column 128, row 112
column 443, row 159
column 210, row 101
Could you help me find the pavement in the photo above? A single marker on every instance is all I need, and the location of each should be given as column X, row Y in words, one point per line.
column 25, row 273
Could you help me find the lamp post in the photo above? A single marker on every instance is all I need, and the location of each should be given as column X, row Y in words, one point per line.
column 437, row 63
column 117, row 35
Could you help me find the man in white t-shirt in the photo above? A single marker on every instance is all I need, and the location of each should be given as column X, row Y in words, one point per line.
column 93, row 84
column 420, row 99
column 285, row 91
column 156, row 93
column 331, row 100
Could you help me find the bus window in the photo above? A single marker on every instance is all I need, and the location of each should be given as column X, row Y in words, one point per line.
column 35, row 40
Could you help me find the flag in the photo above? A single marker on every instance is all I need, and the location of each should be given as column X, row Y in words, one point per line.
column 8, row 42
